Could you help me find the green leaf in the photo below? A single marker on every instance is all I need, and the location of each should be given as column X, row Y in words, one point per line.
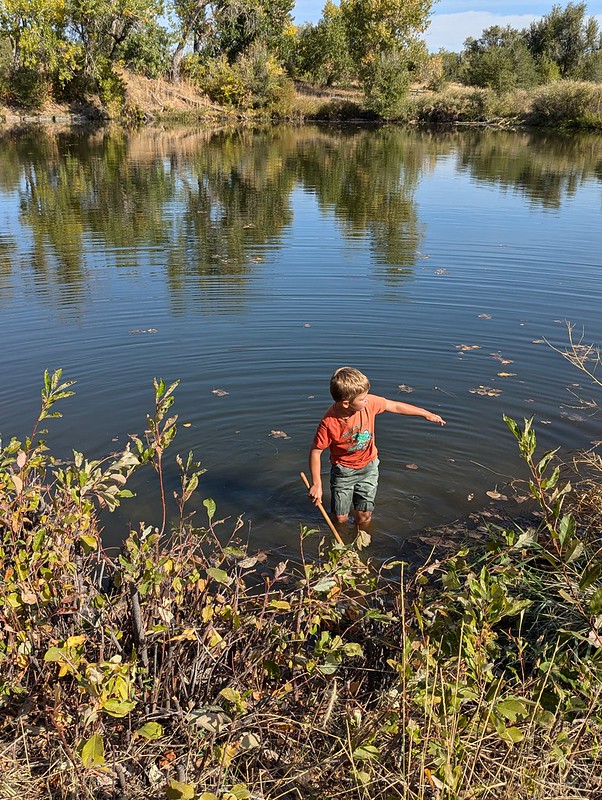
column 325, row 585
column 595, row 604
column 151, row 731
column 231, row 695
column 353, row 649
column 54, row 654
column 90, row 543
column 179, row 791
column 240, row 791
column 566, row 529
column 93, row 751
column 512, row 708
column 219, row 575
column 210, row 506
column 590, row 575
column 118, row 708
column 511, row 735
column 366, row 752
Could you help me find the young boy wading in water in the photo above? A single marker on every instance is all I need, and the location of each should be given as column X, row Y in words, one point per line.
column 347, row 429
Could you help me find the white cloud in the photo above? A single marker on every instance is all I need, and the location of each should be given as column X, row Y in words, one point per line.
column 448, row 31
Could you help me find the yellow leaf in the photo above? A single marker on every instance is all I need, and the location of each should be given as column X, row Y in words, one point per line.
column 179, row 791
column 507, row 374
column 189, row 634
column 75, row 641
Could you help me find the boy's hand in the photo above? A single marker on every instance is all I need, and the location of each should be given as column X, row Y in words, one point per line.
column 315, row 493
column 435, row 418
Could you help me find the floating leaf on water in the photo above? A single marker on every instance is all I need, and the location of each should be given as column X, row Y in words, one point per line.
column 496, row 495
column 538, row 341
column 311, row 396
column 411, row 466
column 464, row 348
column 486, row 391
column 485, row 316
column 404, row 388
column 307, row 325
column 186, row 424
column 219, row 392
column 279, row 435
column 470, row 496
column 499, row 357
column 545, row 422
column 507, row 374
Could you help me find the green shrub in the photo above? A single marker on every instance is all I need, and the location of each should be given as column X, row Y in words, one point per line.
column 386, row 84
column 217, row 78
column 255, row 81
column 28, row 88
column 571, row 104
column 264, row 79
column 471, row 105
column 338, row 110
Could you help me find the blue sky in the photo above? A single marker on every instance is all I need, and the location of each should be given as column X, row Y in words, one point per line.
column 453, row 20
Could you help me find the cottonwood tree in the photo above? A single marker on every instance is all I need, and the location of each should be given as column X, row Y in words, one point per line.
column 40, row 54
column 500, row 59
column 100, row 27
column 383, row 36
column 565, row 40
column 228, row 27
column 323, row 50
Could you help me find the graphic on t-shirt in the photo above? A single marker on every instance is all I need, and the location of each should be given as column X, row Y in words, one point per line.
column 359, row 439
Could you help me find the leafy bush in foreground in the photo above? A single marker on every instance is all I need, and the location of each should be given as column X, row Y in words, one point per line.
column 185, row 667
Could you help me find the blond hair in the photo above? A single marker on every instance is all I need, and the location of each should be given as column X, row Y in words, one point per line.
column 347, row 383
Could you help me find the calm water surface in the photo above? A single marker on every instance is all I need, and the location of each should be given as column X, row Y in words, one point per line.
column 256, row 262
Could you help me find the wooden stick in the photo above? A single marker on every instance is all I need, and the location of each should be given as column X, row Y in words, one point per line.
column 329, row 522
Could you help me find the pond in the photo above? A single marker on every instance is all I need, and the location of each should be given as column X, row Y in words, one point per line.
column 249, row 264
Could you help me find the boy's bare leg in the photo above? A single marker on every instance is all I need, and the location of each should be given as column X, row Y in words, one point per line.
column 362, row 518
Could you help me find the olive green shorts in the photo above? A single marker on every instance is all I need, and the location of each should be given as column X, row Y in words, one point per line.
column 353, row 488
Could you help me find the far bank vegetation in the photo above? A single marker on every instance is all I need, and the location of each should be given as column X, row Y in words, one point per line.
column 139, row 59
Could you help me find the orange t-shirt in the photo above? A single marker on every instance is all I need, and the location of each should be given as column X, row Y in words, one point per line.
column 350, row 439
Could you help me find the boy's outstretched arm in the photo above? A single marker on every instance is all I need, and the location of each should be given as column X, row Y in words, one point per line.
column 315, row 490
column 395, row 407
